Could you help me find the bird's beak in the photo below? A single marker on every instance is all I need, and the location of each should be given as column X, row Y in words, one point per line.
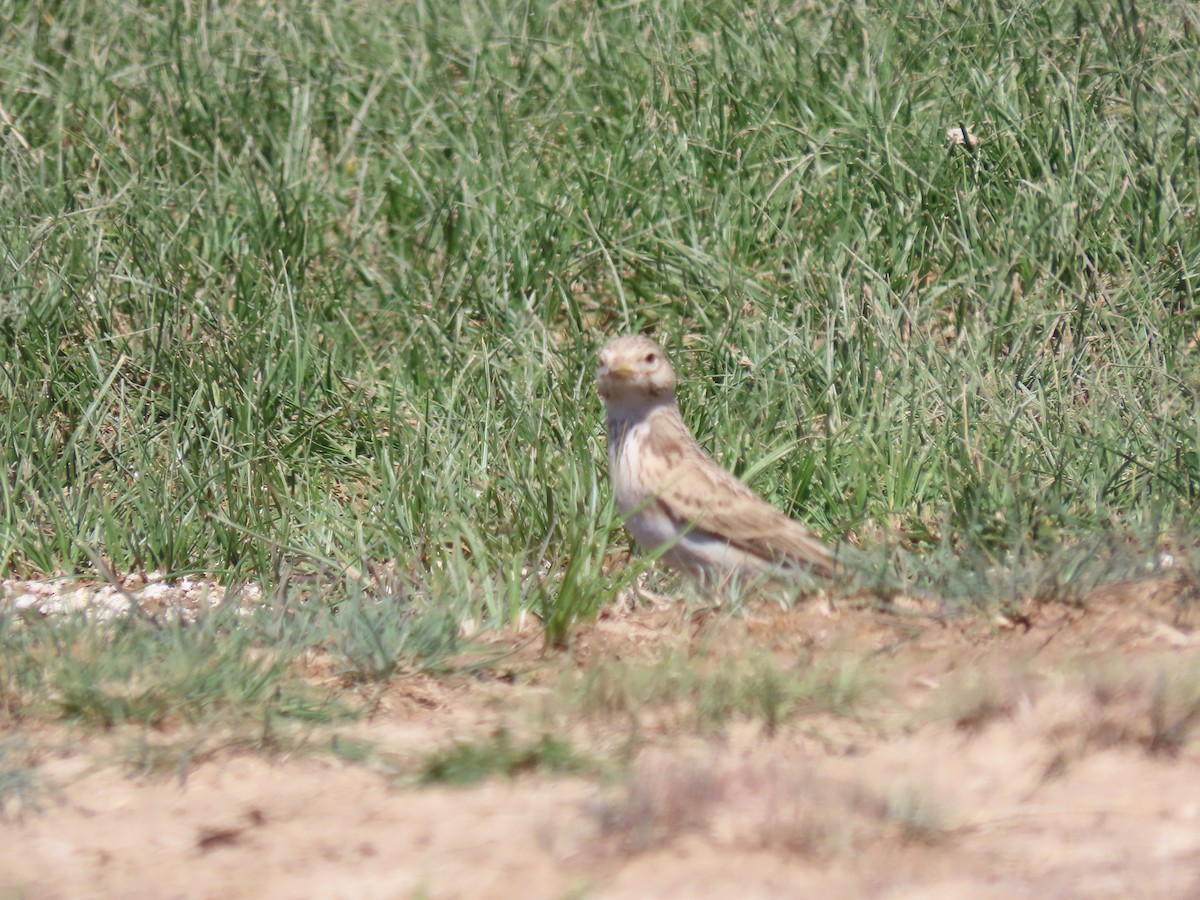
column 619, row 370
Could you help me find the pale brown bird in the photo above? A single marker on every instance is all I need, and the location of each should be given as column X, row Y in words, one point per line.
column 674, row 495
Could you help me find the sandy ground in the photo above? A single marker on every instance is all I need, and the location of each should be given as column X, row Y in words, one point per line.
column 1045, row 755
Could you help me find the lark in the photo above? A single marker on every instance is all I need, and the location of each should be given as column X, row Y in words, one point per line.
column 675, row 497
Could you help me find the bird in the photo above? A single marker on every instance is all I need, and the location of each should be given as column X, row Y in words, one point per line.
column 675, row 498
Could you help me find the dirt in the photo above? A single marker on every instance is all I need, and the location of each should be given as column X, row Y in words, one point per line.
column 1047, row 753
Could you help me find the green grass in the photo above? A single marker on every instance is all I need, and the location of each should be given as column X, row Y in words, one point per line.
column 316, row 286
column 221, row 669
column 466, row 763
column 227, row 675
column 679, row 691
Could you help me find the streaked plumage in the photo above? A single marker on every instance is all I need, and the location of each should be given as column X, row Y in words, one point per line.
column 672, row 493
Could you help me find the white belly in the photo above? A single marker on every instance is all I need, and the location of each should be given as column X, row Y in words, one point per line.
column 700, row 553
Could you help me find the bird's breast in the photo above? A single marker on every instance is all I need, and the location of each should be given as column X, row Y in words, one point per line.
column 626, row 443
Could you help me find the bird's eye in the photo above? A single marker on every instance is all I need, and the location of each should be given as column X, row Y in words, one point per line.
column 650, row 357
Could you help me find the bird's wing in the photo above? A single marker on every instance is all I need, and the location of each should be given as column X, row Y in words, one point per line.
column 703, row 496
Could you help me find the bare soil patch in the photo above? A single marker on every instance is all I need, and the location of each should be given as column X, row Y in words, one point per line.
column 1047, row 753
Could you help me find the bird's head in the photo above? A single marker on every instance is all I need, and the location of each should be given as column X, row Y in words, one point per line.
column 634, row 370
